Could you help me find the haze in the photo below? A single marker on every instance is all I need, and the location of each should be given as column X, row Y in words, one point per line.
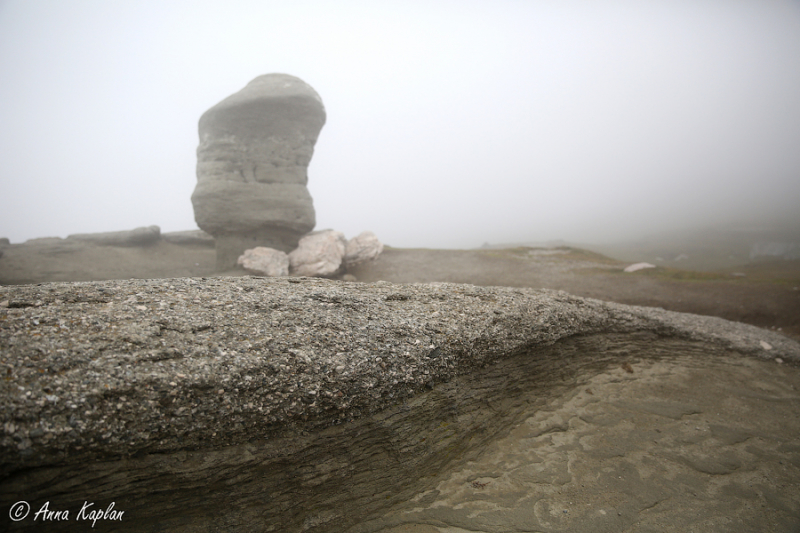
column 450, row 124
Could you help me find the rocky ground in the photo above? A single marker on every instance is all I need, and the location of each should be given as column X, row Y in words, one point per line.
column 678, row 444
column 762, row 293
column 517, row 410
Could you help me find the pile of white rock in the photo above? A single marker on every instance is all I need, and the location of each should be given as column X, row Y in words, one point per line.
column 326, row 254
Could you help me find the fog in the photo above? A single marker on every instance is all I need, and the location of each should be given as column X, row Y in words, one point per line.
column 449, row 123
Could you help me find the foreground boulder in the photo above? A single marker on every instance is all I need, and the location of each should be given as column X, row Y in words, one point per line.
column 251, row 402
column 252, row 166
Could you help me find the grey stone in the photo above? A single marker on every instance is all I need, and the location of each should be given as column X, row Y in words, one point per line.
column 135, row 237
column 319, row 254
column 362, row 248
column 265, row 261
column 252, row 166
column 244, row 397
column 45, row 240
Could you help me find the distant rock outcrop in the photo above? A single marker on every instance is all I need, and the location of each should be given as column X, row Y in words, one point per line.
column 638, row 266
column 191, row 237
column 252, row 162
column 134, row 237
column 320, row 254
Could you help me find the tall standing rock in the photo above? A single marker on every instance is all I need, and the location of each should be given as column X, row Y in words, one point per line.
column 252, row 166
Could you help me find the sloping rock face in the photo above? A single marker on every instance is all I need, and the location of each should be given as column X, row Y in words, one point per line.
column 247, row 404
column 252, row 166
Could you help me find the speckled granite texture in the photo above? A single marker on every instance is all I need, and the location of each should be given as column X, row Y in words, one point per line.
column 114, row 368
column 293, row 404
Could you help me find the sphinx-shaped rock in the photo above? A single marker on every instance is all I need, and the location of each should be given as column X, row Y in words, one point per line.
column 252, row 162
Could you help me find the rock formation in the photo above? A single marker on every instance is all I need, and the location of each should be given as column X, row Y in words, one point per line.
column 319, row 254
column 275, row 393
column 135, row 237
column 252, row 162
column 191, row 237
column 265, row 261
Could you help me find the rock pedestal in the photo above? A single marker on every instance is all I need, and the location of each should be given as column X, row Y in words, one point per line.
column 252, row 163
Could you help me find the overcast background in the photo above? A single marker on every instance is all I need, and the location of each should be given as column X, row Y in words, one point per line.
column 450, row 124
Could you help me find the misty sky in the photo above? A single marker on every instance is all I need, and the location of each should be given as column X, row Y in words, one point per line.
column 450, row 123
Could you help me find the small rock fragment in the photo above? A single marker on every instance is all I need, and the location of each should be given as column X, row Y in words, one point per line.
column 263, row 261
column 638, row 266
column 361, row 248
column 320, row 254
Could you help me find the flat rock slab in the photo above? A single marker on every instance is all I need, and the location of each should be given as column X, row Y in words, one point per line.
column 671, row 445
column 193, row 398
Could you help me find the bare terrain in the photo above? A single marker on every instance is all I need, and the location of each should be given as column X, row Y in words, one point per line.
column 761, row 293
column 599, row 432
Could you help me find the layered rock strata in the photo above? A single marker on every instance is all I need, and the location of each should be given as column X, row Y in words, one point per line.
column 253, row 402
column 252, row 166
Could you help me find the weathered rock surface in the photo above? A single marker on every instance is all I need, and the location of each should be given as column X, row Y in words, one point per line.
column 362, row 248
column 135, row 237
column 265, row 262
column 253, row 402
column 252, row 166
column 319, row 254
column 669, row 444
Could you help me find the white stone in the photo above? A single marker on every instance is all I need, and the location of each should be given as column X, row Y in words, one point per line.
column 263, row 261
column 364, row 247
column 319, row 254
column 765, row 345
column 638, row 266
